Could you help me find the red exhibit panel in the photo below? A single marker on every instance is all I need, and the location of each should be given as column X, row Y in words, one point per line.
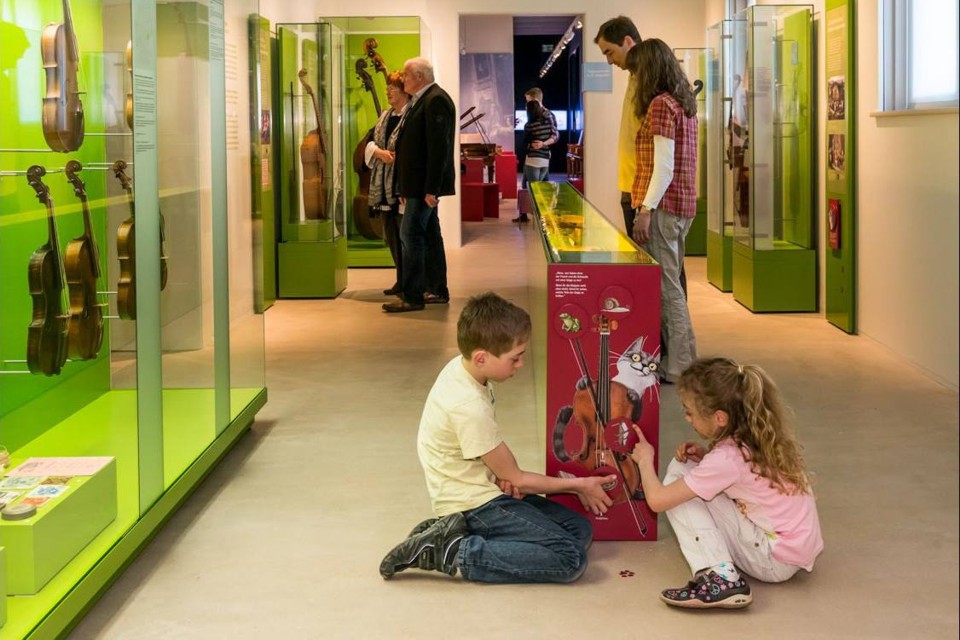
column 603, row 352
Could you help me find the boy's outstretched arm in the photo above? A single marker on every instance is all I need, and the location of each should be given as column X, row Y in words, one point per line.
column 589, row 489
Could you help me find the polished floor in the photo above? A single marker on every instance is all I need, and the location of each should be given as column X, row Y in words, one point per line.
column 284, row 538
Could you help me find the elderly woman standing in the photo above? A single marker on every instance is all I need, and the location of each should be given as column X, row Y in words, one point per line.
column 379, row 156
column 664, row 189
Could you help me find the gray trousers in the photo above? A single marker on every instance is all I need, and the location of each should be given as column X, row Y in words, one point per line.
column 667, row 244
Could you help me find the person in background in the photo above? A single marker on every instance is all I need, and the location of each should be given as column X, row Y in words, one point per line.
column 379, row 156
column 616, row 37
column 491, row 525
column 743, row 502
column 664, row 190
column 539, row 133
column 424, row 172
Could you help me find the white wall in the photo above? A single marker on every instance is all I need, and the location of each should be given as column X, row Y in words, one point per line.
column 908, row 232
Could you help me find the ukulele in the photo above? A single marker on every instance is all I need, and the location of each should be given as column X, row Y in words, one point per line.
column 47, row 334
column 82, row 271
column 313, row 159
column 368, row 226
column 63, row 124
column 126, row 251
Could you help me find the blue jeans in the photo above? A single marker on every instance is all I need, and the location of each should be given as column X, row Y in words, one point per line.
column 424, row 259
column 535, row 174
column 529, row 540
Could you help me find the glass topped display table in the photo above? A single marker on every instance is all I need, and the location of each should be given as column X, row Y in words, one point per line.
column 596, row 313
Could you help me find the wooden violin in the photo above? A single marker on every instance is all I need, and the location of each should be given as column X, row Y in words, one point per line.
column 313, row 160
column 82, row 271
column 370, row 227
column 126, row 251
column 595, row 405
column 63, row 124
column 128, row 104
column 47, row 334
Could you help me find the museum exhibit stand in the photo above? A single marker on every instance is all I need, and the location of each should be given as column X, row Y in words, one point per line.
column 312, row 251
column 694, row 64
column 719, row 160
column 774, row 255
column 131, row 332
column 596, row 349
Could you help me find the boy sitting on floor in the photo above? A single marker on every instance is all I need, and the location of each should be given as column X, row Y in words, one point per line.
column 491, row 525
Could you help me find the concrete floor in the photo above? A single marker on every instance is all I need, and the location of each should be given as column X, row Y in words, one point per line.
column 284, row 538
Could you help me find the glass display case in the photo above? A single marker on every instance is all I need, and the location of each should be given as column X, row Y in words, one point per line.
column 694, row 64
column 720, row 160
column 596, row 319
column 131, row 346
column 373, row 48
column 774, row 256
column 312, row 252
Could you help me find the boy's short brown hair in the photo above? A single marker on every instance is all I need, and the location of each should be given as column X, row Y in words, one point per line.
column 491, row 323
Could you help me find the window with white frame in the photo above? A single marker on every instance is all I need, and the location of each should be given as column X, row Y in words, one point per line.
column 919, row 54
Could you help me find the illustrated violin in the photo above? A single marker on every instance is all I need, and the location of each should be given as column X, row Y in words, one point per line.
column 47, row 334
column 598, row 409
column 370, row 227
column 63, row 124
column 82, row 271
column 313, row 160
column 128, row 104
column 126, row 250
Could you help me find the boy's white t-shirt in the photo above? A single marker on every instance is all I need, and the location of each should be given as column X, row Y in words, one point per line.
column 458, row 426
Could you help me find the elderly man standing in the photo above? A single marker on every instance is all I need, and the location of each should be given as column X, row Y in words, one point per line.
column 424, row 172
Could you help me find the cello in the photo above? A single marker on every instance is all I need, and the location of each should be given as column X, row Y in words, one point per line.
column 369, row 226
column 63, row 124
column 126, row 251
column 85, row 326
column 313, row 159
column 599, row 410
column 47, row 334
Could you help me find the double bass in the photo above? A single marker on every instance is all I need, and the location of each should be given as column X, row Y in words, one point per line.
column 47, row 334
column 370, row 227
column 313, row 160
column 600, row 410
column 63, row 123
column 85, row 326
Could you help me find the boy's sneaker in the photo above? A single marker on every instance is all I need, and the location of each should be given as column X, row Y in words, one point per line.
column 433, row 549
column 710, row 590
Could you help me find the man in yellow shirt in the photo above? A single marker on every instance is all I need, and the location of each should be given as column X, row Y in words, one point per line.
column 615, row 38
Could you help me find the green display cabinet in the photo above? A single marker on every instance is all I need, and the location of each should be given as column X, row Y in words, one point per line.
column 774, row 256
column 161, row 367
column 694, row 63
column 719, row 159
column 312, row 252
column 375, row 47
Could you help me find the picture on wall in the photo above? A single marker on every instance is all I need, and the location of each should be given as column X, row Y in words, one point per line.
column 836, row 98
column 836, row 154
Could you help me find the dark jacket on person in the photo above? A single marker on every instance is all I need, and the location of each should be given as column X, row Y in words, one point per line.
column 424, row 160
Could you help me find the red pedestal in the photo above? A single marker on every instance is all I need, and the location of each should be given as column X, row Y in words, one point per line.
column 474, row 172
column 577, row 183
column 479, row 200
column 505, row 168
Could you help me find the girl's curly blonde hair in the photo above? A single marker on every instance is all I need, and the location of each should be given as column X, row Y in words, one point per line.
column 757, row 418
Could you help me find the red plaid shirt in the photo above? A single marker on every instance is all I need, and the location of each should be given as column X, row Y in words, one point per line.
column 665, row 118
